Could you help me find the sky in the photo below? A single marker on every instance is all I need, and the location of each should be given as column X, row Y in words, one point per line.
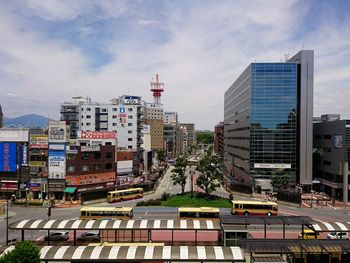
column 53, row 50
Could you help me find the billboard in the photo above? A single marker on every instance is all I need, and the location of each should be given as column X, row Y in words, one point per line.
column 57, row 162
column 273, row 165
column 8, row 157
column 23, row 155
column 38, row 141
column 14, row 135
column 96, row 178
column 57, row 131
column 338, row 141
column 97, row 135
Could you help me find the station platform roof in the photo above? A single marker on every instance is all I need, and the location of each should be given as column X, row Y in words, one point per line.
column 140, row 253
column 287, row 246
column 116, row 224
column 266, row 220
column 331, row 226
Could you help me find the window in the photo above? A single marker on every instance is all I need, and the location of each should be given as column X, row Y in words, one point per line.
column 104, row 110
column 115, row 116
column 108, row 155
column 97, row 167
column 85, row 156
column 85, row 168
column 129, row 139
column 129, row 109
column 317, row 136
column 82, row 116
column 88, row 124
column 327, row 136
column 88, row 109
column 108, row 166
column 129, row 116
column 129, row 131
column 129, row 124
column 327, row 163
column 129, row 146
column 115, row 124
column 88, row 116
column 71, row 168
column 97, row 155
column 114, row 109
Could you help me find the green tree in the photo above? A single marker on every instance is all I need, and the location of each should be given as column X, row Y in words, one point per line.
column 205, row 137
column 279, row 179
column 179, row 172
column 24, row 252
column 161, row 155
column 210, row 168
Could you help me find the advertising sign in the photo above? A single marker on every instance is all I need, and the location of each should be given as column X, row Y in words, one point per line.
column 57, row 164
column 97, row 135
column 338, row 141
column 14, row 135
column 37, row 163
column 9, row 185
column 90, row 148
column 38, row 141
column 57, row 131
column 8, row 156
column 122, row 117
column 273, row 165
column 131, row 100
column 23, row 155
column 57, row 147
column 90, row 178
column 71, row 149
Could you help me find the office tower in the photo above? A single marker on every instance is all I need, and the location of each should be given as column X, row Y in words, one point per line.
column 268, row 122
column 153, row 116
column 191, row 135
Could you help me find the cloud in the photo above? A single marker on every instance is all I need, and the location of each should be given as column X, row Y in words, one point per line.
column 53, row 50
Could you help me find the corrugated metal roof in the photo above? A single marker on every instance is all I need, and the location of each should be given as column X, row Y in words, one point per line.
column 268, row 220
column 117, row 224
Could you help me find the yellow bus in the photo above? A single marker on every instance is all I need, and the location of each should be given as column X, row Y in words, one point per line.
column 254, row 208
column 198, row 213
column 88, row 212
column 122, row 195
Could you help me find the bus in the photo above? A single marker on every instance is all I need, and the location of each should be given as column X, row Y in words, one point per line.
column 254, row 208
column 198, row 213
column 122, row 195
column 88, row 212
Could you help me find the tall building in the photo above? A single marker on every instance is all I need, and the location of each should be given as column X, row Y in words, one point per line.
column 219, row 138
column 170, row 128
column 1, row 117
column 191, row 135
column 123, row 115
column 332, row 155
column 170, row 118
column 153, row 116
column 268, row 122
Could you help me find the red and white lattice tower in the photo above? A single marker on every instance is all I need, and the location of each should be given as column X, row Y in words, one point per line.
column 157, row 88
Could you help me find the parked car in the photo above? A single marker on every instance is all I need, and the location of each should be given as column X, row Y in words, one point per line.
column 309, row 234
column 89, row 236
column 57, row 236
column 338, row 235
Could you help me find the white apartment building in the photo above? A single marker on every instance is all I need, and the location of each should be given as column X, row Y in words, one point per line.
column 123, row 115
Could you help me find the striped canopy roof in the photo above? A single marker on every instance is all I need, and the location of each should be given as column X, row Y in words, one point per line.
column 332, row 226
column 117, row 224
column 138, row 253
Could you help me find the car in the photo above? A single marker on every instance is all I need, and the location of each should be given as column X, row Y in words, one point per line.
column 338, row 235
column 57, row 236
column 309, row 234
column 90, row 236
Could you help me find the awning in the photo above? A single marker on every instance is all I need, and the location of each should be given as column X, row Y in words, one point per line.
column 161, row 224
column 141, row 253
column 70, row 190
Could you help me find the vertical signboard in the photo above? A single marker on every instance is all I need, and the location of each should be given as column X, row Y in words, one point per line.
column 122, row 117
column 8, row 162
column 57, row 161
column 58, row 132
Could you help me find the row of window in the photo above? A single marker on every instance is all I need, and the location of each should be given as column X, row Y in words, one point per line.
column 87, row 168
column 103, row 110
column 326, row 136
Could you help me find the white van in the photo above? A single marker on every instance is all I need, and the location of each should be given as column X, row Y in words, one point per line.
column 338, row 235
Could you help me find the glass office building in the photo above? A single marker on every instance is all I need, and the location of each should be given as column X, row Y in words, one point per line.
column 267, row 110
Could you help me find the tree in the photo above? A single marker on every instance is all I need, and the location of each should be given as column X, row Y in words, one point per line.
column 24, row 252
column 179, row 172
column 211, row 174
column 279, row 179
column 205, row 137
column 161, row 155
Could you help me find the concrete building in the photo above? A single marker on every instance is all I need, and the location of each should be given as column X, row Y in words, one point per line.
column 191, row 135
column 268, row 122
column 153, row 116
column 170, row 118
column 331, row 156
column 123, row 115
column 219, row 138
column 170, row 128
column 181, row 139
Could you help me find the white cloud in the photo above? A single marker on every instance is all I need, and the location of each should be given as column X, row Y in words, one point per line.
column 198, row 49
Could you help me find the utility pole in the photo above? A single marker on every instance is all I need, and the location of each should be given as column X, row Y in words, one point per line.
column 7, row 218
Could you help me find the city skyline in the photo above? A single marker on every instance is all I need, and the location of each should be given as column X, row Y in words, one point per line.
column 54, row 50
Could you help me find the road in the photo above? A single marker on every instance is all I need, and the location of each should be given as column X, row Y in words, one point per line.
column 165, row 185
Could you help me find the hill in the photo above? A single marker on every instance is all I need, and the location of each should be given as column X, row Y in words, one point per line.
column 26, row 121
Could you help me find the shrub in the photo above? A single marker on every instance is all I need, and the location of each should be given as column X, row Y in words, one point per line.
column 165, row 196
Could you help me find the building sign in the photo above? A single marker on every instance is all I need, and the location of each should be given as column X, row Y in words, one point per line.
column 9, row 185
column 71, row 149
column 131, row 100
column 338, row 141
column 90, row 148
column 84, row 179
column 37, row 163
column 57, row 147
column 97, row 135
column 23, row 155
column 14, row 135
column 56, row 185
column 8, row 156
column 273, row 165
column 38, row 141
column 57, row 163
column 57, row 131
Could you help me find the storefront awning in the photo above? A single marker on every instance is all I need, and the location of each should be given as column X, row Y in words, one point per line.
column 70, row 190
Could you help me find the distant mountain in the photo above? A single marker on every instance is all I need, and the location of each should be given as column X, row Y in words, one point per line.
column 27, row 121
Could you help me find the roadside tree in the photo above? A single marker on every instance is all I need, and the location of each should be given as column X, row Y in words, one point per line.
column 24, row 252
column 179, row 172
column 279, row 180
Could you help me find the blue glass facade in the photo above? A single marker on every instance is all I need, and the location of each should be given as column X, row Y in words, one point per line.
column 273, row 117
